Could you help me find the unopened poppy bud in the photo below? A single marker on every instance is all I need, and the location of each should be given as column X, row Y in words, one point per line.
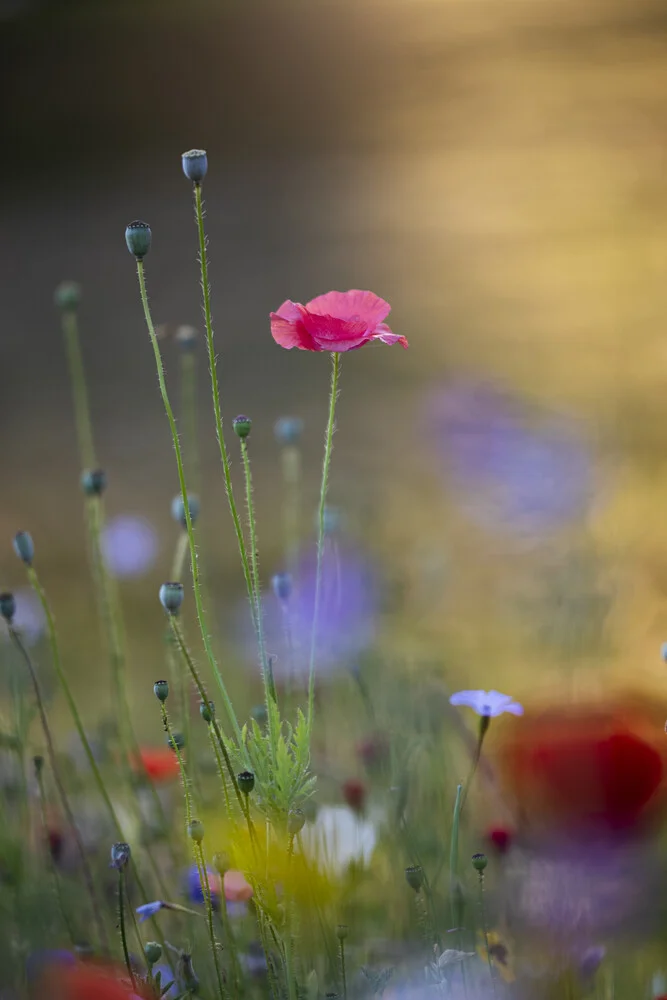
column 207, row 711
column 67, row 295
column 341, row 932
column 186, row 337
column 220, row 862
column 94, row 482
column 196, row 831
column 177, row 742
column 7, row 607
column 161, row 690
column 479, row 862
column 178, row 509
column 288, row 430
column 138, row 238
column 260, row 714
column 246, row 781
column 153, row 952
column 282, row 586
column 24, row 547
column 414, row 876
column 171, row 597
column 120, row 855
column 296, row 820
column 242, row 426
column 195, row 165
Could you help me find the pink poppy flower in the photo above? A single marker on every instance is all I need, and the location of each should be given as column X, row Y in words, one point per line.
column 337, row 321
column 237, row 889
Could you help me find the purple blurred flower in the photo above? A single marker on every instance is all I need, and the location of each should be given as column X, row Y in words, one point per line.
column 29, row 619
column 148, row 910
column 129, row 545
column 516, row 477
column 193, row 889
column 346, row 617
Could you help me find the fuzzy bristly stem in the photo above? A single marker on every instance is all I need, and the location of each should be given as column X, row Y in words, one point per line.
column 121, row 922
column 215, row 391
column 342, row 968
column 189, row 413
column 185, row 781
column 453, row 861
column 62, row 794
column 208, row 903
column 196, row 585
column 328, row 445
column 77, row 374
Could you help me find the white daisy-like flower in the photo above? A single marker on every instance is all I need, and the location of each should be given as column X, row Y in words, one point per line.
column 487, row 703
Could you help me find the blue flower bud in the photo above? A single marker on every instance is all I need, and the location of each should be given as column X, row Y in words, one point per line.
column 195, row 165
column 171, row 597
column 282, row 586
column 94, row 482
column 161, row 690
column 288, row 430
column 178, row 509
column 24, row 547
column 242, row 425
column 120, row 855
column 7, row 607
column 67, row 296
column 138, row 238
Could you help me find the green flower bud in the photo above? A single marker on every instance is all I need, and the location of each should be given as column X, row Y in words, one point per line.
column 196, row 831
column 67, row 296
column 161, row 690
column 120, row 856
column 171, row 597
column 414, row 876
column 296, row 819
column 195, row 165
column 178, row 509
column 220, row 862
column 246, row 781
column 479, row 862
column 242, row 426
column 177, row 743
column 207, row 711
column 7, row 607
column 24, row 547
column 288, row 430
column 138, row 238
column 341, row 932
column 94, row 482
column 153, row 952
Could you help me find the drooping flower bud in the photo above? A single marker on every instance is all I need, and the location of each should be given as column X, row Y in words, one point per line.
column 67, row 296
column 288, row 430
column 178, row 509
column 246, row 781
column 414, row 876
column 282, row 586
column 242, row 426
column 207, row 711
column 153, row 952
column 24, row 547
column 120, row 856
column 7, row 607
column 138, row 237
column 161, row 690
column 171, row 597
column 296, row 820
column 479, row 862
column 94, row 482
column 196, row 831
column 195, row 165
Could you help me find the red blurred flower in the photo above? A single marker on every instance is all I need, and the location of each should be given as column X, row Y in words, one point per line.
column 597, row 770
column 373, row 751
column 91, row 982
column 501, row 838
column 160, row 764
column 337, row 321
column 354, row 793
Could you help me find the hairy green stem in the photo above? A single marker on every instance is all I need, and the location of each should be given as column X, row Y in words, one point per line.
column 121, row 922
column 454, row 860
column 189, row 411
column 208, row 903
column 328, row 445
column 196, row 585
column 79, row 389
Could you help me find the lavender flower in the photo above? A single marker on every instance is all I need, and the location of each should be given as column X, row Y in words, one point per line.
column 129, row 546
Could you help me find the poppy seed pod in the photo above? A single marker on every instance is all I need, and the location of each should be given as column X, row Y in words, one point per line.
column 94, row 482
column 288, row 430
column 120, row 855
column 341, row 932
column 178, row 509
column 138, row 237
column 414, row 876
column 195, row 165
column 242, row 426
column 196, row 831
column 161, row 690
column 246, row 781
column 479, row 862
column 282, row 586
column 171, row 597
column 67, row 296
column 207, row 711
column 220, row 862
column 153, row 952
column 7, row 607
column 24, row 547
column 177, row 743
column 296, row 820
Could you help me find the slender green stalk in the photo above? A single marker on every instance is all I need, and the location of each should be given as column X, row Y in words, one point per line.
column 484, row 723
column 482, row 910
column 342, row 968
column 221, row 771
column 55, row 874
column 79, row 389
column 196, row 586
column 62, row 794
column 454, row 860
column 189, row 412
column 185, row 781
column 180, row 678
column 121, row 921
column 291, row 470
column 215, row 390
column 208, row 903
column 328, row 445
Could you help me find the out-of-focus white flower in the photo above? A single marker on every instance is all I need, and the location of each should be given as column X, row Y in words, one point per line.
column 488, row 703
column 339, row 837
column 129, row 546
